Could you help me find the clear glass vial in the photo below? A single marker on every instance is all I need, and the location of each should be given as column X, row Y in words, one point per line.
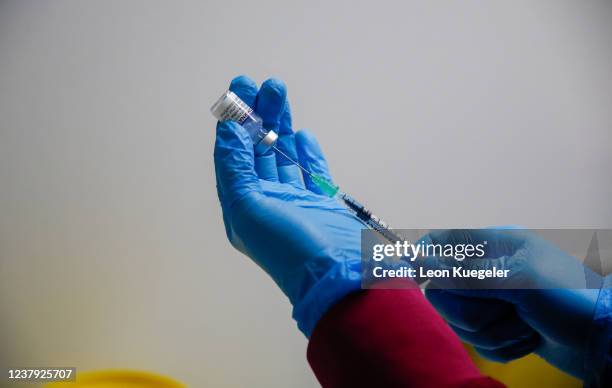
column 229, row 107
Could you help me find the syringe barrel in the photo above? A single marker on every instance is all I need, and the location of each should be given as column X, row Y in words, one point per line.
column 360, row 210
column 229, row 107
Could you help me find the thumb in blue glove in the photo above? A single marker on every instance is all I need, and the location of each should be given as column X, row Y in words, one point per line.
column 308, row 243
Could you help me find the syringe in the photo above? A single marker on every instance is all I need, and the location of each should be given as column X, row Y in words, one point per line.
column 231, row 107
column 362, row 212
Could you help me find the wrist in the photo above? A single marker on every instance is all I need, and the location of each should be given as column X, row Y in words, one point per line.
column 340, row 280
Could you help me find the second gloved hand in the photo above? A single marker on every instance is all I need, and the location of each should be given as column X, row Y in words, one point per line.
column 539, row 308
column 308, row 243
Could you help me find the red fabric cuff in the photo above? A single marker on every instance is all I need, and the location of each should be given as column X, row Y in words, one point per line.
column 389, row 338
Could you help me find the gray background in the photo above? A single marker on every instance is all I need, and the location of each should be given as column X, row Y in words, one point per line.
column 436, row 114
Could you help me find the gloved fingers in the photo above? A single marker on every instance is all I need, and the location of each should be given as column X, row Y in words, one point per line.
column 498, row 241
column 246, row 89
column 311, row 158
column 511, row 352
column 435, row 263
column 288, row 172
column 501, row 334
column 447, row 264
column 265, row 166
column 470, row 314
column 234, row 163
column 270, row 103
column 511, row 267
column 273, row 107
column 569, row 359
column 285, row 126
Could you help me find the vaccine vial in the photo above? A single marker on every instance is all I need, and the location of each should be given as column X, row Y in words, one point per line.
column 229, row 107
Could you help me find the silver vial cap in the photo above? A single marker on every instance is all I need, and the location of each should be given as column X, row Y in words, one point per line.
column 265, row 143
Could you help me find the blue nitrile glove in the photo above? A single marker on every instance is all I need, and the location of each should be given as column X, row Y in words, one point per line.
column 308, row 243
column 548, row 316
column 598, row 357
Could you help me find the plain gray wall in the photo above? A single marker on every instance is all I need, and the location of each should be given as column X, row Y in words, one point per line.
column 436, row 114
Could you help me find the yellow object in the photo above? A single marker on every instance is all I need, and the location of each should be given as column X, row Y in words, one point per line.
column 118, row 378
column 527, row 372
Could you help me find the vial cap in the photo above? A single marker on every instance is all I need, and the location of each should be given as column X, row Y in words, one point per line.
column 266, row 143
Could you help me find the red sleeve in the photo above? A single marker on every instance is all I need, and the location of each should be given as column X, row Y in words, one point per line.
column 390, row 338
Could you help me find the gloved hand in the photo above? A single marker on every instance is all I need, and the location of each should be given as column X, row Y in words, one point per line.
column 308, row 243
column 549, row 316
